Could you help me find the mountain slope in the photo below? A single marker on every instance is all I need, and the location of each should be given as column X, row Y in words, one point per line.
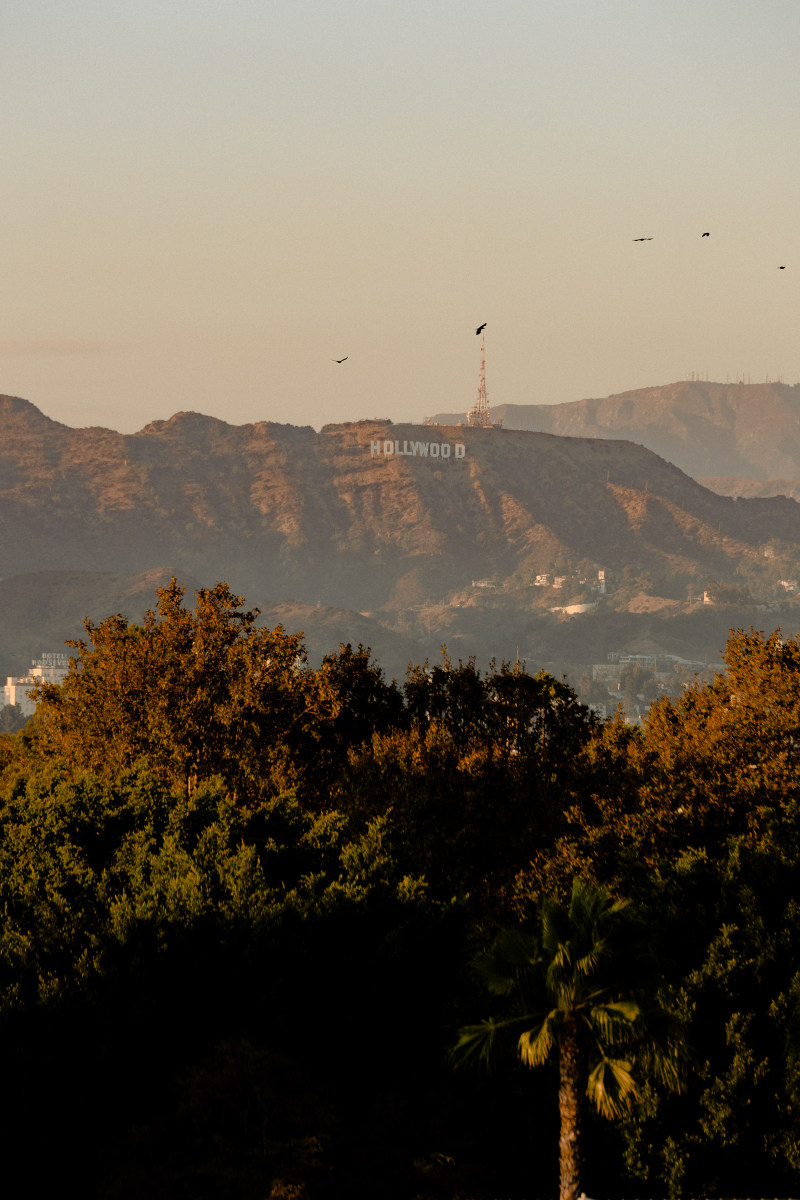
column 285, row 511
column 750, row 431
column 369, row 532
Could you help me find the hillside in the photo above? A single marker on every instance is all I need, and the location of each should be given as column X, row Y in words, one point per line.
column 749, row 431
column 332, row 527
column 43, row 609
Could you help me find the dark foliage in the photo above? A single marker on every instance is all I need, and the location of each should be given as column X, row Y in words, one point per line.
column 240, row 897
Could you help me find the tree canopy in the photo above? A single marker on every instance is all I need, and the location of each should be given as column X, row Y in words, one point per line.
column 194, row 694
column 241, row 895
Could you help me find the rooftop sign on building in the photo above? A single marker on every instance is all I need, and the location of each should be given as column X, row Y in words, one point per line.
column 49, row 667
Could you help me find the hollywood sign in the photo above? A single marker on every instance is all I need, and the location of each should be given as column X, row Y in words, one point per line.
column 441, row 450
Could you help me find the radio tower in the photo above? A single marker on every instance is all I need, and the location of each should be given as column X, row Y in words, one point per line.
column 479, row 414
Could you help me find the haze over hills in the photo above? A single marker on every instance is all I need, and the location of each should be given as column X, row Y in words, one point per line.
column 41, row 610
column 747, row 432
column 419, row 535
column 732, row 485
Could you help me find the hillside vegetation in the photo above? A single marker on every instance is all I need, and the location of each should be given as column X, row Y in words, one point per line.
column 427, row 550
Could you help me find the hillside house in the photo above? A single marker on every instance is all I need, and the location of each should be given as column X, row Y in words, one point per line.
column 607, row 672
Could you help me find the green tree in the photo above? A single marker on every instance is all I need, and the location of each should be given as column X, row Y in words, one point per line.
column 583, row 990
column 11, row 718
column 477, row 778
column 453, row 697
column 695, row 816
column 355, row 704
column 508, row 711
column 536, row 717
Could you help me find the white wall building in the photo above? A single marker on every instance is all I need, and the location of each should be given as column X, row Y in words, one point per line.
column 49, row 668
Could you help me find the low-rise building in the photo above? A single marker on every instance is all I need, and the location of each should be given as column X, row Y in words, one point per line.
column 48, row 668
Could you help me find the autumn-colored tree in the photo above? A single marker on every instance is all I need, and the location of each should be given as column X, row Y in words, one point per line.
column 725, row 753
column 194, row 694
column 696, row 816
column 714, row 763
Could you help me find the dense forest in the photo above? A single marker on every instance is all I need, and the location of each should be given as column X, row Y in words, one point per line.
column 280, row 932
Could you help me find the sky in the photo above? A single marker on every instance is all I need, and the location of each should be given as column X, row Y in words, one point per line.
column 206, row 203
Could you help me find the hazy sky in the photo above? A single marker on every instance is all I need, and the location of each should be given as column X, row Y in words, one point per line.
column 205, row 203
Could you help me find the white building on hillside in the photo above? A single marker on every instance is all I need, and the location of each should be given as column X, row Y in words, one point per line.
column 50, row 668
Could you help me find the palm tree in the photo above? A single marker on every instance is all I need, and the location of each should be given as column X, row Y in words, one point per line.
column 580, row 988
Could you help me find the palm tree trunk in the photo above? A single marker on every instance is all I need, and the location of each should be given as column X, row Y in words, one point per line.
column 569, row 1105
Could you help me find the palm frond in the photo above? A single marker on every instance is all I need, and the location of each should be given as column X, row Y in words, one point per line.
column 666, row 1069
column 613, row 1022
column 628, row 1009
column 588, row 963
column 512, row 956
column 560, row 975
column 611, row 1087
column 595, row 962
column 535, row 1044
column 476, row 1043
column 556, row 928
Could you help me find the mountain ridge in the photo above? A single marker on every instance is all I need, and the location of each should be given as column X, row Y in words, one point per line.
column 707, row 429
column 435, row 534
column 196, row 490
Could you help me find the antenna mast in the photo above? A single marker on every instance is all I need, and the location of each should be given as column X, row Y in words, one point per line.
column 479, row 415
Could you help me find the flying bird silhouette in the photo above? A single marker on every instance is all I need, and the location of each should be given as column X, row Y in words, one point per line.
column 480, row 327
column 781, row 268
column 643, row 239
column 705, row 235
column 341, row 360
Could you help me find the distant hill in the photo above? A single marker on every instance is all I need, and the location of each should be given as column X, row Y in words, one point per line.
column 748, row 431
column 729, row 485
column 41, row 610
column 369, row 527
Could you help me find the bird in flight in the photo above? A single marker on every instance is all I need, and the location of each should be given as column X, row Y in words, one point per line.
column 341, row 360
column 781, row 268
column 643, row 239
column 705, row 235
column 480, row 327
